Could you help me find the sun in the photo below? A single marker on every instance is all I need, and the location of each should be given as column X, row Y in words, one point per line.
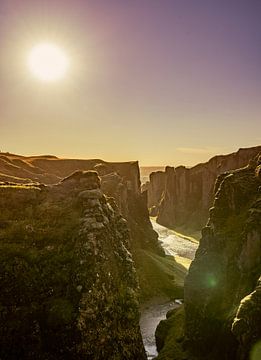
column 48, row 62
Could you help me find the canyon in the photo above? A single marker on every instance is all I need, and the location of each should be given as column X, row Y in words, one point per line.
column 220, row 318
column 181, row 197
column 77, row 246
column 65, row 269
column 118, row 180
column 80, row 253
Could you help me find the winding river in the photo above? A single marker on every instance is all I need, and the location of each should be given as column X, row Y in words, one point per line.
column 155, row 311
column 173, row 244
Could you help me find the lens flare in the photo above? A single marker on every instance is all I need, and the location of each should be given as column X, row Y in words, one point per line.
column 211, row 280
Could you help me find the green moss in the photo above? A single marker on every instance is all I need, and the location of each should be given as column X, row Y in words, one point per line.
column 170, row 336
column 188, row 234
column 160, row 275
column 60, row 312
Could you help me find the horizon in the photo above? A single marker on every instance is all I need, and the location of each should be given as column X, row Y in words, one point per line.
column 169, row 83
column 117, row 161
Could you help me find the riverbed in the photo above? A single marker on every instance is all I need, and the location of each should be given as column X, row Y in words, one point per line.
column 151, row 314
column 155, row 310
column 174, row 244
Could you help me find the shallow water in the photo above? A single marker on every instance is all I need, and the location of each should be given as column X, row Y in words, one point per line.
column 151, row 315
column 174, row 244
column 155, row 311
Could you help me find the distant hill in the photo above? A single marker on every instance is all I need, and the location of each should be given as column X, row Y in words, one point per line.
column 49, row 169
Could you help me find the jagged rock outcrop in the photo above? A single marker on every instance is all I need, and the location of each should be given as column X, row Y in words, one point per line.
column 67, row 279
column 155, row 188
column 222, row 321
column 119, row 180
column 189, row 192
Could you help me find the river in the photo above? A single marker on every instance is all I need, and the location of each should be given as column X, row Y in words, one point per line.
column 174, row 244
column 155, row 310
column 151, row 314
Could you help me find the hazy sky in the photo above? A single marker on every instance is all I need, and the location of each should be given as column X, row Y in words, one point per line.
column 159, row 81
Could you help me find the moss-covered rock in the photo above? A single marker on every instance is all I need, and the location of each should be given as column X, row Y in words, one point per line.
column 119, row 181
column 225, row 271
column 68, row 284
column 247, row 325
column 170, row 335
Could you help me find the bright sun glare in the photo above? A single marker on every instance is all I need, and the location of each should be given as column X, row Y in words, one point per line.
column 48, row 62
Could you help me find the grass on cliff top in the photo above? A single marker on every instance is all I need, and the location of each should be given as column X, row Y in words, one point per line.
column 160, row 275
column 188, row 234
column 19, row 187
column 183, row 261
column 184, row 232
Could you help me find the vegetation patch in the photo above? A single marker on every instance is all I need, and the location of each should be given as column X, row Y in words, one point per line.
column 160, row 275
column 170, row 336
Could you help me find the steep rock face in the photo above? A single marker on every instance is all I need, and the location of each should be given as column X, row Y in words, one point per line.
column 189, row 192
column 68, row 284
column 145, row 172
column 119, row 180
column 247, row 325
column 155, row 187
column 227, row 266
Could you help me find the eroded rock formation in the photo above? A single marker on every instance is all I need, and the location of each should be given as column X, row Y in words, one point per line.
column 67, row 279
column 155, row 188
column 119, row 180
column 186, row 194
column 222, row 300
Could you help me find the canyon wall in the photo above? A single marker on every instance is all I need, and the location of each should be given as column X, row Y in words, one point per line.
column 119, row 180
column 222, row 314
column 68, row 283
column 186, row 194
column 155, row 188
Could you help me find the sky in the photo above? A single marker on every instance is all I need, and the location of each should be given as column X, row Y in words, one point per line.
column 165, row 82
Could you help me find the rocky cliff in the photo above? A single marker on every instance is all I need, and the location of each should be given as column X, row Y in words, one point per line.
column 121, row 181
column 186, row 194
column 49, row 169
column 221, row 316
column 68, row 284
column 155, row 188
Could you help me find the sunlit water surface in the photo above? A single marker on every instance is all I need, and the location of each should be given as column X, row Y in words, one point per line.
column 153, row 313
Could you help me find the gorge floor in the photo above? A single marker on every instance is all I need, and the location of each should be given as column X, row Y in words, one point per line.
column 155, row 310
